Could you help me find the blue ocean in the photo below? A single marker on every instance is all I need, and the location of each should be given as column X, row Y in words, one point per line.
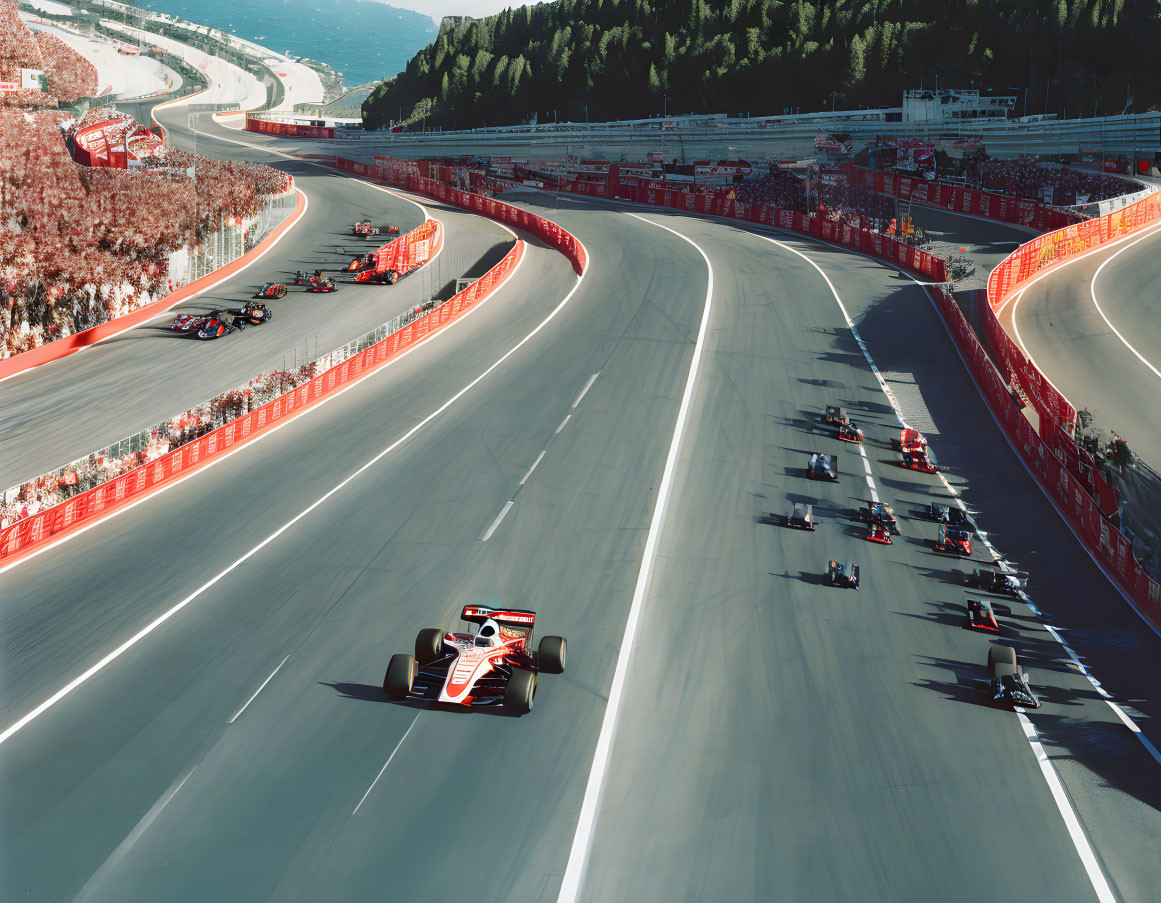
column 364, row 40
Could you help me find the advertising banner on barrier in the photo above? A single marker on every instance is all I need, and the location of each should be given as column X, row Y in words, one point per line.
column 287, row 129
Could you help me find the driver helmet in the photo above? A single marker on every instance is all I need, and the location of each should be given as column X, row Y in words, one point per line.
column 489, row 631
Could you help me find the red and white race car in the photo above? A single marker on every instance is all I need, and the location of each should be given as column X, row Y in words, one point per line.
column 916, row 454
column 188, row 322
column 491, row 667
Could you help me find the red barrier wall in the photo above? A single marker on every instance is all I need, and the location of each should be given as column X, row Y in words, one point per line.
column 964, row 200
column 288, row 129
column 34, row 532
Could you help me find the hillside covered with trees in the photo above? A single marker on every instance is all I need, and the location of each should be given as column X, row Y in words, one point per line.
column 619, row 59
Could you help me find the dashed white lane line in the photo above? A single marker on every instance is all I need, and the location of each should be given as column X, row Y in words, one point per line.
column 385, row 764
column 562, row 424
column 145, row 631
column 539, row 458
column 584, row 391
column 261, row 687
column 586, row 822
column 1064, row 805
column 499, row 517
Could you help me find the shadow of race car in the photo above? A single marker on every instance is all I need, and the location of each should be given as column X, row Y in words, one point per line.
column 272, row 290
column 491, row 667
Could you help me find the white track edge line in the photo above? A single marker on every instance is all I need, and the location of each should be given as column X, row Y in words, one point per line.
column 1109, row 323
column 261, row 687
column 587, row 818
column 385, row 764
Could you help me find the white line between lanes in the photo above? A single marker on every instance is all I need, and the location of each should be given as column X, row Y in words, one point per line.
column 567, row 417
column 1068, row 814
column 585, row 390
column 499, row 517
column 128, row 644
column 259, row 690
column 586, row 822
column 385, row 764
column 539, row 458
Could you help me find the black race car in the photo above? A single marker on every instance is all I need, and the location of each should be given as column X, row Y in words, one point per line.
column 999, row 582
column 321, row 285
column 272, row 290
column 981, row 616
column 303, row 278
column 954, row 540
column 837, row 417
column 947, row 514
column 253, row 313
column 362, row 262
column 1009, row 685
column 846, row 575
column 823, row 467
column 884, row 514
column 220, row 323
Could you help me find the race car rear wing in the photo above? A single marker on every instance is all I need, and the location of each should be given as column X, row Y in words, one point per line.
column 507, row 617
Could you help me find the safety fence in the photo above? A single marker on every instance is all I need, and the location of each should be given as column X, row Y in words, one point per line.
column 240, row 422
column 957, row 198
column 1066, row 472
column 287, row 129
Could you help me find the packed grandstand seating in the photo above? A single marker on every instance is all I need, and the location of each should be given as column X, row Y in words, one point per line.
column 90, row 245
column 70, row 75
column 19, row 50
column 838, row 201
column 1029, row 180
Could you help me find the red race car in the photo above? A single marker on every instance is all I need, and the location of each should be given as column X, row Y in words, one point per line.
column 954, row 540
column 188, row 322
column 848, row 430
column 321, row 285
column 491, row 667
column 362, row 262
column 272, row 290
column 981, row 616
column 916, row 454
column 370, row 277
column 365, row 229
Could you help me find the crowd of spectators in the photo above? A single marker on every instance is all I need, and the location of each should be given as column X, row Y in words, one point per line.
column 19, row 50
column 835, row 199
column 70, row 75
column 80, row 246
column 1030, row 180
column 50, row 489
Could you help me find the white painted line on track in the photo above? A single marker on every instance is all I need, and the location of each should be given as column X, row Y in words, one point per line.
column 539, row 458
column 1028, row 354
column 385, row 764
column 567, row 417
column 1064, row 805
column 585, row 390
column 586, row 822
column 499, row 517
column 128, row 644
column 259, row 690
column 1108, row 322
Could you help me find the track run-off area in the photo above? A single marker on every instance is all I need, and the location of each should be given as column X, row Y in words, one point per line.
column 611, row 450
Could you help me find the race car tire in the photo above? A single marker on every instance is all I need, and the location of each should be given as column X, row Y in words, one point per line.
column 550, row 654
column 400, row 676
column 1002, row 661
column 428, row 645
column 519, row 692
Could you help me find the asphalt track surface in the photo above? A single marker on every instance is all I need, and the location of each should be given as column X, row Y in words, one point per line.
column 66, row 409
column 778, row 739
column 1064, row 332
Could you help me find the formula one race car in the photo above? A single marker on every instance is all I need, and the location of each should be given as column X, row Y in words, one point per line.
column 981, row 616
column 362, row 262
column 878, row 532
column 1009, row 685
column 837, row 417
column 364, row 229
column 843, row 575
column 304, row 278
column 955, row 540
column 321, row 285
column 916, row 454
column 801, row 517
column 823, row 467
column 220, row 323
column 998, row 582
column 387, row 277
column 884, row 514
column 490, row 667
column 947, row 514
column 188, row 322
column 252, row 313
column 274, row 290
column 392, row 229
